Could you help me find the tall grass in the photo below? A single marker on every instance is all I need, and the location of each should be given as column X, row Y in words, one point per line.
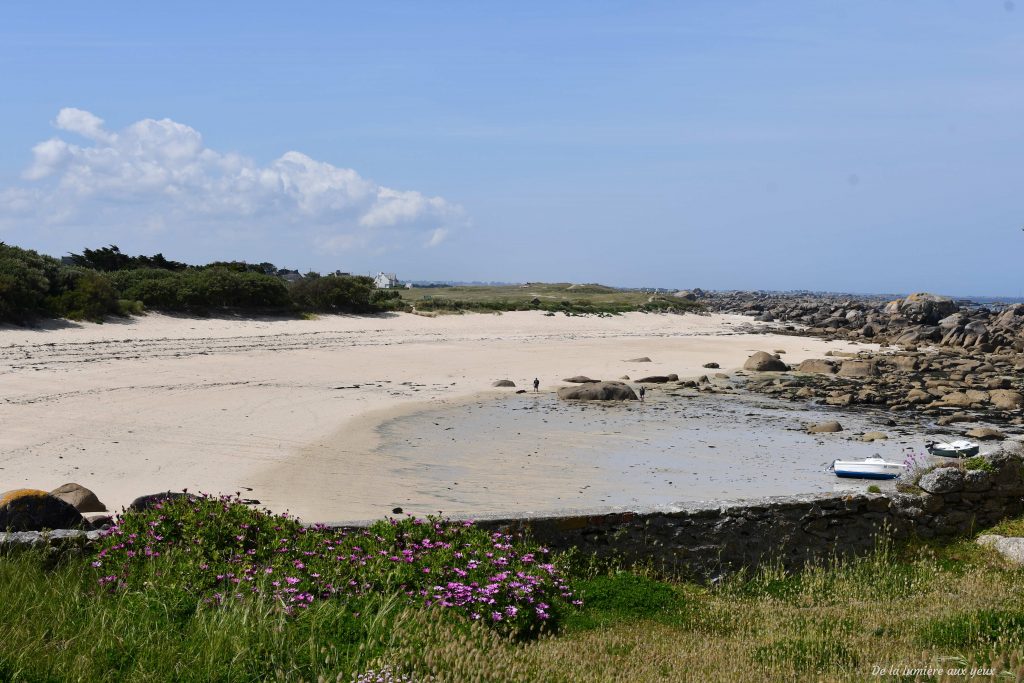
column 946, row 607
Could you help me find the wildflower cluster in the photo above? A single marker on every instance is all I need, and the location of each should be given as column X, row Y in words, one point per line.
column 222, row 550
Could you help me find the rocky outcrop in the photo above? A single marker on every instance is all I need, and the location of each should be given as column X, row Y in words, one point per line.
column 600, row 391
column 816, row 365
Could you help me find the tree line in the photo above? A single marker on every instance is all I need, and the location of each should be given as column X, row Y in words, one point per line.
column 105, row 281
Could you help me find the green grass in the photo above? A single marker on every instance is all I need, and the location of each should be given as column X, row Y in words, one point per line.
column 939, row 605
column 553, row 298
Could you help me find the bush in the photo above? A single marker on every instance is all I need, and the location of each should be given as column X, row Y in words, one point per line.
column 221, row 551
column 201, row 289
column 86, row 295
column 27, row 280
column 334, row 293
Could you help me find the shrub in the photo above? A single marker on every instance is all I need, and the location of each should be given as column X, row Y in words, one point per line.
column 86, row 295
column 221, row 551
column 980, row 463
column 874, row 488
column 335, row 293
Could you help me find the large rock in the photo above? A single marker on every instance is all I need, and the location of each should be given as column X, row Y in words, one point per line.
column 35, row 510
column 925, row 308
column 580, row 379
column 599, row 391
column 858, row 368
column 1010, row 547
column 504, row 383
column 985, row 434
column 825, row 428
column 762, row 361
column 824, row 367
column 874, row 436
column 153, row 499
column 79, row 497
column 942, row 480
column 1006, row 399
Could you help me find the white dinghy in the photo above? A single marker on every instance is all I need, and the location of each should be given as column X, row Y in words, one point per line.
column 874, row 467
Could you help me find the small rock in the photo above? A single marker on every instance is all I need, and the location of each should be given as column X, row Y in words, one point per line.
column 825, row 428
column 874, row 436
column 642, row 359
column 396, row 511
column 1010, row 547
column 712, row 366
column 152, row 499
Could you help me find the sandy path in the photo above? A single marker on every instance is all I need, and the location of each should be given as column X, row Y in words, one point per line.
column 286, row 411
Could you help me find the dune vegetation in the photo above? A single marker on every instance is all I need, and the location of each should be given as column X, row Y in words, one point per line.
column 211, row 589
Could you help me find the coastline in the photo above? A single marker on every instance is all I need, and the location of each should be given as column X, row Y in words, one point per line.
column 287, row 411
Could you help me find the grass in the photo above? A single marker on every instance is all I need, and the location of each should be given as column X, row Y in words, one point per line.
column 946, row 606
column 553, row 298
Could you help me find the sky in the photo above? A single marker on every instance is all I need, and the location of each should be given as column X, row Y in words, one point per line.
column 860, row 146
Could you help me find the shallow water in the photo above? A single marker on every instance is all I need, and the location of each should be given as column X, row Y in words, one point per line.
column 593, row 455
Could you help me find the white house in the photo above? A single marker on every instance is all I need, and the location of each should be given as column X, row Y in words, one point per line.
column 386, row 281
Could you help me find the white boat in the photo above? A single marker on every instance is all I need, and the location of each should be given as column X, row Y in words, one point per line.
column 874, row 467
column 953, row 449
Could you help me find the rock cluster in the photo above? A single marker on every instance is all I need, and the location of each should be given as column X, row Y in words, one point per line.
column 945, row 383
column 916, row 319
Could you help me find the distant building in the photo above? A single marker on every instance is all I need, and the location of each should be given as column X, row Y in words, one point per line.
column 289, row 275
column 386, row 281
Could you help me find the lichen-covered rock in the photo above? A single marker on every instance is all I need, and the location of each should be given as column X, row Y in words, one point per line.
column 600, row 391
column 79, row 497
column 35, row 510
column 985, row 434
column 1006, row 399
column 858, row 368
column 818, row 366
column 942, row 480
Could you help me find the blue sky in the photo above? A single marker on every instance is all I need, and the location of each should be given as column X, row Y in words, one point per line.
column 849, row 146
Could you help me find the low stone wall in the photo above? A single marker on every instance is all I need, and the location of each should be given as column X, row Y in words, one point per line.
column 709, row 540
column 712, row 540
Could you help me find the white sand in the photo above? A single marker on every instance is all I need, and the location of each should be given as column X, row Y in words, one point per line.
column 270, row 408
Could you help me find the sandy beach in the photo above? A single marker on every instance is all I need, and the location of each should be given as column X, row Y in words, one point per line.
column 289, row 411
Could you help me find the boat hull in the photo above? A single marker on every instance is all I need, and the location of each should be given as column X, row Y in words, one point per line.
column 955, row 452
column 872, row 468
column 867, row 475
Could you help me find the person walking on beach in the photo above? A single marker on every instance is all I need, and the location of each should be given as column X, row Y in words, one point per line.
column 643, row 390
column 536, row 385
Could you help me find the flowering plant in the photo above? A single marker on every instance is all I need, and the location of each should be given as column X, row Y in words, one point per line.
column 222, row 550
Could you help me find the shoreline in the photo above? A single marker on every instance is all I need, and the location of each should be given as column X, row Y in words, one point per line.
column 224, row 405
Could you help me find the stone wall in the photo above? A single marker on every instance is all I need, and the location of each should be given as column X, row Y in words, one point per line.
column 709, row 540
column 706, row 541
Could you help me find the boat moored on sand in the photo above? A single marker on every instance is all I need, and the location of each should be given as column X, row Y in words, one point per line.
column 874, row 467
column 953, row 449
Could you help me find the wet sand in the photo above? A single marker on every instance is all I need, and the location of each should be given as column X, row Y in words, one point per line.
column 588, row 456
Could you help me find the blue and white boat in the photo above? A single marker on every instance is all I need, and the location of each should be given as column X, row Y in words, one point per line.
column 874, row 467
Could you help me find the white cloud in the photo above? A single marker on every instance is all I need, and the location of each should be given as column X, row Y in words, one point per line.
column 160, row 173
